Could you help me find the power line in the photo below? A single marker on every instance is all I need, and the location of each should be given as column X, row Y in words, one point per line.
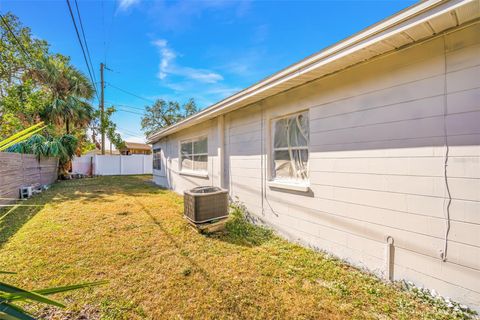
column 130, row 133
column 124, row 110
column 130, row 107
column 83, row 50
column 81, row 45
column 125, row 106
column 129, row 111
column 133, row 112
column 85, row 40
column 130, row 93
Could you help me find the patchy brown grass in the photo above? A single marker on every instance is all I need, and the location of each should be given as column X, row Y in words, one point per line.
column 127, row 231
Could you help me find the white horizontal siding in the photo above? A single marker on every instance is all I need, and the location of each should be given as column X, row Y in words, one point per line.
column 459, row 167
column 461, row 188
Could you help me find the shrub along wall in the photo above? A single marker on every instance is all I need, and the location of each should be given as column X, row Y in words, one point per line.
column 17, row 170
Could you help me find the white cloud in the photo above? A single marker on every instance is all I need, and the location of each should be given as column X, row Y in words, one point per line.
column 201, row 75
column 166, row 57
column 125, row 4
column 168, row 66
column 161, row 43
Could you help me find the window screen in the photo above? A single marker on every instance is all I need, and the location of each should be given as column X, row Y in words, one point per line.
column 290, row 147
column 157, row 159
column 194, row 154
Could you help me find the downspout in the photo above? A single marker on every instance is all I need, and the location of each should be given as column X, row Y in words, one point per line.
column 221, row 149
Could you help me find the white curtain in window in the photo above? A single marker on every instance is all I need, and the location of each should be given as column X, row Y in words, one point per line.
column 290, row 147
column 194, row 155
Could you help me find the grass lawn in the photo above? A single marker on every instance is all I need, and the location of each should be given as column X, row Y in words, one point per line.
column 131, row 233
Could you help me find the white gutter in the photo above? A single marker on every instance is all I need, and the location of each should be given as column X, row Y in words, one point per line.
column 394, row 25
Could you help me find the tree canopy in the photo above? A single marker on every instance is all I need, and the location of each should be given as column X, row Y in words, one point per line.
column 69, row 90
column 21, row 98
column 37, row 85
column 163, row 113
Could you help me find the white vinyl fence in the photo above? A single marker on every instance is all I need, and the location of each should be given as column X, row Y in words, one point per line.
column 107, row 165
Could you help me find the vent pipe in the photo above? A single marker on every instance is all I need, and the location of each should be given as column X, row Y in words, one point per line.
column 389, row 258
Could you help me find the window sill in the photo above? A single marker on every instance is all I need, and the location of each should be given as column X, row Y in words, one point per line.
column 194, row 174
column 288, row 186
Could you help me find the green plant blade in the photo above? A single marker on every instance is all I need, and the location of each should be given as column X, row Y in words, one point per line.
column 20, row 139
column 9, row 311
column 7, row 272
column 69, row 288
column 20, row 134
column 48, row 291
column 17, row 294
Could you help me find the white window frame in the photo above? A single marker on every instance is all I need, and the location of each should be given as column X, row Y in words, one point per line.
column 282, row 183
column 193, row 154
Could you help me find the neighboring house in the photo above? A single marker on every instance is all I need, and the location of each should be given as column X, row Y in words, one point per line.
column 376, row 137
column 136, row 148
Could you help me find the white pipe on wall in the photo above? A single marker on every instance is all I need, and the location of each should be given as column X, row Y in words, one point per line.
column 389, row 258
column 220, row 150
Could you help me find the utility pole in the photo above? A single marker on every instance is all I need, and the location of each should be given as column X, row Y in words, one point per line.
column 102, row 107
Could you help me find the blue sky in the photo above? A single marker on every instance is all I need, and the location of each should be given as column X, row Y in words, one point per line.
column 206, row 50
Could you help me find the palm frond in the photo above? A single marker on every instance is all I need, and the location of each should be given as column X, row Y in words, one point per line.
column 10, row 294
column 24, row 294
column 10, row 311
column 21, row 136
column 49, row 291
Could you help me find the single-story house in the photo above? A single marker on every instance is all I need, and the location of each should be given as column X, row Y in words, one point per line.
column 368, row 149
column 135, row 148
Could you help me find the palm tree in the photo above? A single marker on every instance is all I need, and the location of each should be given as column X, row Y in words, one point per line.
column 84, row 113
column 70, row 91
